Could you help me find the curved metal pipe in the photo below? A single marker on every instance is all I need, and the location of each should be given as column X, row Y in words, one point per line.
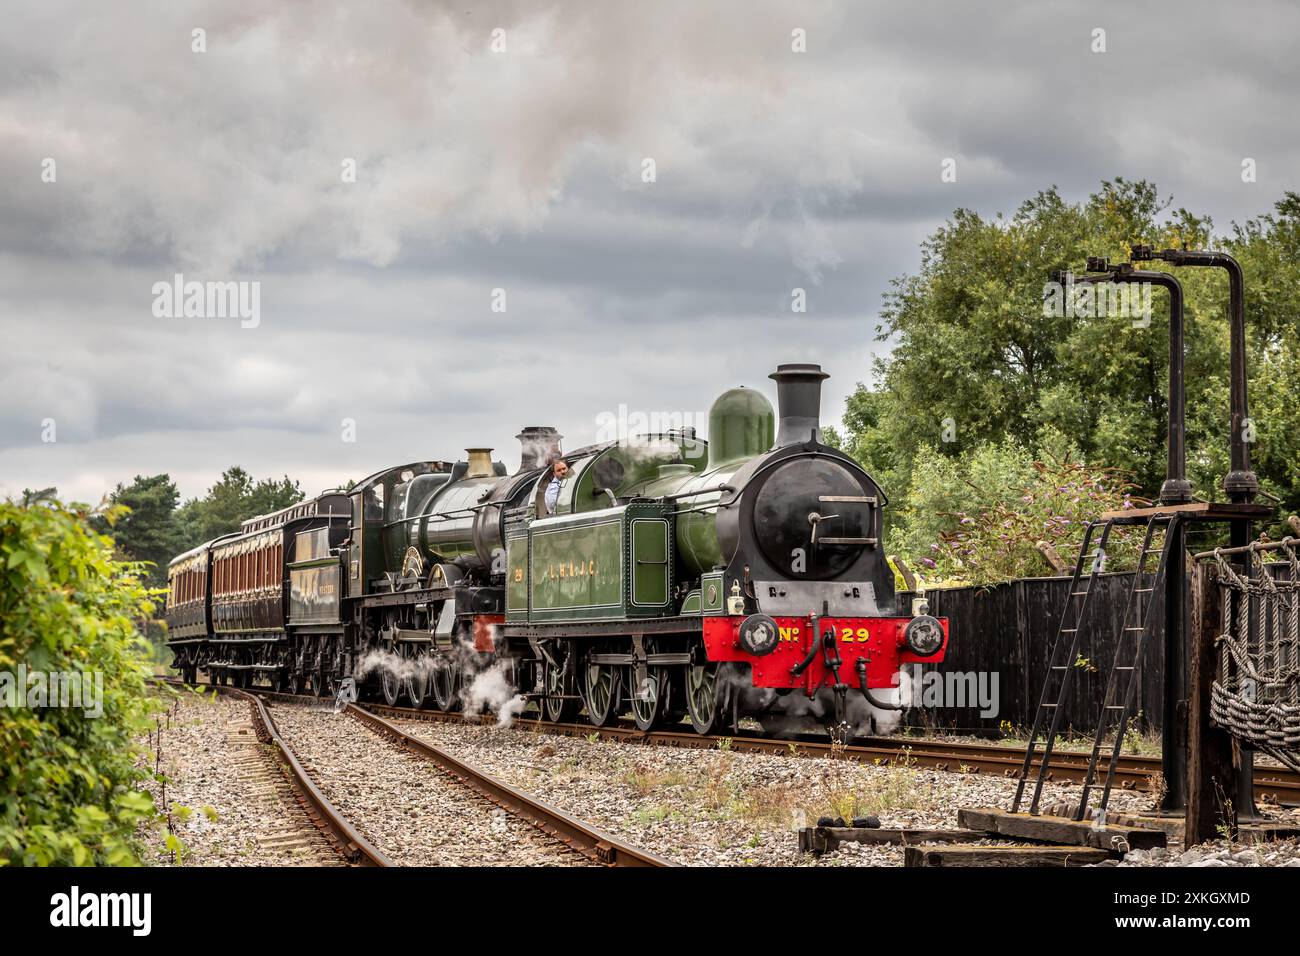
column 1241, row 483
column 1176, row 488
column 866, row 691
column 813, row 648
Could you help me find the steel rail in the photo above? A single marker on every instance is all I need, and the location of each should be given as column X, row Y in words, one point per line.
column 349, row 841
column 582, row 837
column 1277, row 784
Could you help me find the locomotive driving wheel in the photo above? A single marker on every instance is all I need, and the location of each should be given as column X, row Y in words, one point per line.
column 444, row 684
column 559, row 706
column 391, row 652
column 707, row 694
column 322, row 681
column 416, row 683
column 601, row 690
column 650, row 700
column 391, row 684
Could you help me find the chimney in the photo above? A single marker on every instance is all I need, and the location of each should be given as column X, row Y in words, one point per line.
column 799, row 403
column 480, row 462
column 539, row 446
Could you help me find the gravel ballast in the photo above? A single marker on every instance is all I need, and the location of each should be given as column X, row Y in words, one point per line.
column 231, row 806
column 404, row 804
column 697, row 807
column 720, row 807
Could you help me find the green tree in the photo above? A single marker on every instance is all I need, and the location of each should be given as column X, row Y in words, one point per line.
column 235, row 498
column 149, row 531
column 68, row 605
column 976, row 361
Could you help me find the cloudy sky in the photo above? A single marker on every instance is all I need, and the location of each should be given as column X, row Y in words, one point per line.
column 514, row 161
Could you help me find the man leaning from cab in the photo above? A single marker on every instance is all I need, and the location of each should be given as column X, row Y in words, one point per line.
column 547, row 501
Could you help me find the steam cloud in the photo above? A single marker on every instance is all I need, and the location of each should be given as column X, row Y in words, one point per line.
column 491, row 690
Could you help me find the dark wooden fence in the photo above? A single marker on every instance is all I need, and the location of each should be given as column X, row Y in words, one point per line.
column 1008, row 629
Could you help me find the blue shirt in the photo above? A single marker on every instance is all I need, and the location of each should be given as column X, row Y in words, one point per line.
column 552, row 495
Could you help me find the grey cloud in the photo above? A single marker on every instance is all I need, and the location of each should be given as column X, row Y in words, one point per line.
column 522, row 171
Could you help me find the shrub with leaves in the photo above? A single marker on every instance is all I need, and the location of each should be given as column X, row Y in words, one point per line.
column 1010, row 532
column 67, row 779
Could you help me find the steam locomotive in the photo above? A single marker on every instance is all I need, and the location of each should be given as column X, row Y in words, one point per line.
column 674, row 578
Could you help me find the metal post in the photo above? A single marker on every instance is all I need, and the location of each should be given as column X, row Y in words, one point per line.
column 1176, row 490
column 1240, row 483
column 1173, row 728
column 1212, row 775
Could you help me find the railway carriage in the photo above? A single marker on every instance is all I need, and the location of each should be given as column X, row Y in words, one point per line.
column 240, row 629
column 739, row 577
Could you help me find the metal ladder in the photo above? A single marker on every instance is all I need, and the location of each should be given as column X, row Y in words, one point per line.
column 1145, row 594
column 1059, row 682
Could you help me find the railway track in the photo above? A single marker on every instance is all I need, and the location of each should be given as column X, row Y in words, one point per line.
column 576, row 834
column 569, row 832
column 1272, row 784
column 346, row 839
